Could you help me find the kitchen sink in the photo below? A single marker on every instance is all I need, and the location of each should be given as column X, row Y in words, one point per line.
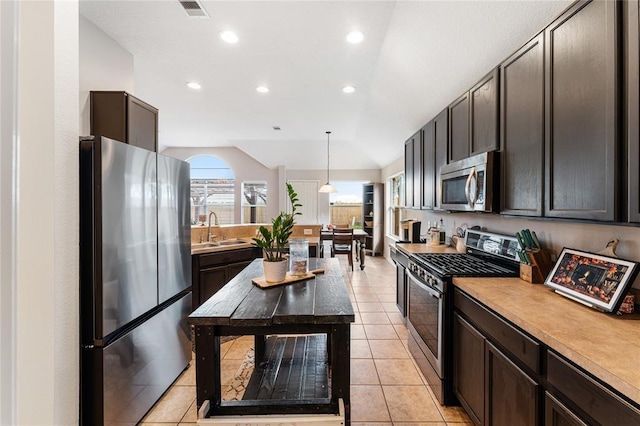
column 228, row 243
column 203, row 245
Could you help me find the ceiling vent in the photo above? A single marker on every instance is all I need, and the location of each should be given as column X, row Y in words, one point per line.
column 194, row 9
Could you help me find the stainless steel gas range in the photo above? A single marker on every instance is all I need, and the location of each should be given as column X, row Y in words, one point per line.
column 430, row 300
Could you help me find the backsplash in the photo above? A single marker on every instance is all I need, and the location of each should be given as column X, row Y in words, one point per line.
column 199, row 233
column 553, row 235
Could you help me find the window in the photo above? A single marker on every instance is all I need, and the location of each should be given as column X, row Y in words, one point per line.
column 345, row 206
column 212, row 190
column 395, row 187
column 254, row 202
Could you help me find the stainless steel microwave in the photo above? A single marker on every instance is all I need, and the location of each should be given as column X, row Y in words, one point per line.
column 468, row 184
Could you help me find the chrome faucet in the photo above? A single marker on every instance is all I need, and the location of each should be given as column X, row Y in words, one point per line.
column 215, row 223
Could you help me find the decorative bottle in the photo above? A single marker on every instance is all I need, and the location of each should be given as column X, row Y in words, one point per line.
column 443, row 235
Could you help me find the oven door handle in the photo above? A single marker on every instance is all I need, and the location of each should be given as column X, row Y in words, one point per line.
column 425, row 287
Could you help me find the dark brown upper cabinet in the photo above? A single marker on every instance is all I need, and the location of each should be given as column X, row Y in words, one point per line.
column 484, row 114
column 408, row 173
column 441, row 142
column 417, row 170
column 459, row 128
column 632, row 51
column 522, row 130
column 413, row 171
column 125, row 118
column 581, row 72
column 428, row 166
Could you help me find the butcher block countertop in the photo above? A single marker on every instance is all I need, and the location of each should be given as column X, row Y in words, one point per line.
column 410, row 248
column 605, row 345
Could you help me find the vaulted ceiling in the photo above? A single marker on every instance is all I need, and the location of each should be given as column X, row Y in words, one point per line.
column 416, row 57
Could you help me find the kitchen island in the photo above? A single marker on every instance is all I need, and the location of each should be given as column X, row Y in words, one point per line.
column 318, row 305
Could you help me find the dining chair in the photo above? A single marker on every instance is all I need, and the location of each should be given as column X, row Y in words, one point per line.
column 342, row 243
column 330, row 242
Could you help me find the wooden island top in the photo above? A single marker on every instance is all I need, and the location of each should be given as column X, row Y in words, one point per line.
column 320, row 300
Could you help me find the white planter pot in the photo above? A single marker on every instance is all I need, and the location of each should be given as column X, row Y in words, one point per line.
column 275, row 271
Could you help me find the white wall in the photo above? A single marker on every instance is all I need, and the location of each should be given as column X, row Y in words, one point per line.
column 47, row 220
column 244, row 167
column 335, row 175
column 395, row 167
column 104, row 65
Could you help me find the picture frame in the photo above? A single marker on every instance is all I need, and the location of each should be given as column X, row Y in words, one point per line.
column 595, row 280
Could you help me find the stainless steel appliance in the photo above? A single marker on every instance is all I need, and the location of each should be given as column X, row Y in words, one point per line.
column 135, row 279
column 430, row 300
column 470, row 184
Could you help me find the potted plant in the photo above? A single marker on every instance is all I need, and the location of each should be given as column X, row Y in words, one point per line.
column 273, row 241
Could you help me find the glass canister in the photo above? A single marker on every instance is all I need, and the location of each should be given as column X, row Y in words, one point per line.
column 299, row 256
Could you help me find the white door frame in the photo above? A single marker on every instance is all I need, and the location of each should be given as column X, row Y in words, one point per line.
column 8, row 206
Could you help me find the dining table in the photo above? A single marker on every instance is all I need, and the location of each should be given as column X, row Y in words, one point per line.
column 359, row 236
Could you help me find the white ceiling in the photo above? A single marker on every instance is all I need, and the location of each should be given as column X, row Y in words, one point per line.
column 416, row 58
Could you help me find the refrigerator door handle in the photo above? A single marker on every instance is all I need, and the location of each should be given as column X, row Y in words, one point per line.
column 97, row 343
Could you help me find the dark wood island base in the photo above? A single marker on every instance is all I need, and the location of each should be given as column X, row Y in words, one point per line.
column 319, row 307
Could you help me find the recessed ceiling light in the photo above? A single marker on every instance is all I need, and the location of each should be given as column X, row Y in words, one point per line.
column 348, row 89
column 262, row 89
column 194, row 85
column 229, row 36
column 355, row 37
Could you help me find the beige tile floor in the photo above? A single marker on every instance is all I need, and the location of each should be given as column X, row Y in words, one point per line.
column 386, row 386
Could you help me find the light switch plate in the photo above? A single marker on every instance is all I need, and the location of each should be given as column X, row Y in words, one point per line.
column 308, row 231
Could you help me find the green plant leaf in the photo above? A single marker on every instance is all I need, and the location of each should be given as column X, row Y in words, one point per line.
column 274, row 241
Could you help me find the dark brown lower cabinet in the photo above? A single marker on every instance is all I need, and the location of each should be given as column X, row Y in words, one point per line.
column 492, row 389
column 401, row 261
column 211, row 281
column 587, row 399
column 556, row 414
column 511, row 396
column 504, row 377
column 401, row 289
column 235, row 268
column 468, row 368
column 211, row 271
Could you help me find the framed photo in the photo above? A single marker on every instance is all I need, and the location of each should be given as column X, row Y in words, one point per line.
column 592, row 279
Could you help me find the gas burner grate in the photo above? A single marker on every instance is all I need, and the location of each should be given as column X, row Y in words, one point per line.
column 461, row 265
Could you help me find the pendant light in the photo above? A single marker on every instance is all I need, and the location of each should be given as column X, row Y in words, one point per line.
column 327, row 187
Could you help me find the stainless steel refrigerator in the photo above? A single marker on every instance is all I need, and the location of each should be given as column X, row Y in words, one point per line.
column 135, row 279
